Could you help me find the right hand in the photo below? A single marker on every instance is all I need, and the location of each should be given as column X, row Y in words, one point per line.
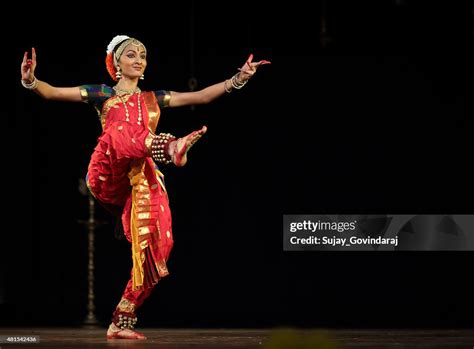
column 28, row 67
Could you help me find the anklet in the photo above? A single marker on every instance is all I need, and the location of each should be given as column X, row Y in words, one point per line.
column 159, row 148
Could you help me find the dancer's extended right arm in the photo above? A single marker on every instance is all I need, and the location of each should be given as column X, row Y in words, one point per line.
column 45, row 90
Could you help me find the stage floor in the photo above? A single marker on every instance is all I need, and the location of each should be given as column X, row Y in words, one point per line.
column 59, row 338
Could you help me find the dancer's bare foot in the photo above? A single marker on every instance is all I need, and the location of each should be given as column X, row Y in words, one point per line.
column 115, row 332
column 178, row 149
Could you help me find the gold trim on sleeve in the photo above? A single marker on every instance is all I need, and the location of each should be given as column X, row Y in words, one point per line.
column 84, row 95
column 167, row 99
column 148, row 141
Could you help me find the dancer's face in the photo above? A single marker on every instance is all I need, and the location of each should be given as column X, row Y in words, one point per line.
column 133, row 61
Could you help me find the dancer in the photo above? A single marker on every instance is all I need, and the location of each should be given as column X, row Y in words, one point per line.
column 123, row 173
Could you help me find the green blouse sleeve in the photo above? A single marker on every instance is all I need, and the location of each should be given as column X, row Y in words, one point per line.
column 96, row 95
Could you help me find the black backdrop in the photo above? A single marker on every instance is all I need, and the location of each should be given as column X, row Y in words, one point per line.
column 372, row 122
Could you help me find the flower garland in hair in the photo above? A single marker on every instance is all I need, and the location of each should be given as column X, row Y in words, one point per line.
column 109, row 59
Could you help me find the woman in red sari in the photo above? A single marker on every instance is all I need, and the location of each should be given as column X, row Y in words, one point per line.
column 123, row 174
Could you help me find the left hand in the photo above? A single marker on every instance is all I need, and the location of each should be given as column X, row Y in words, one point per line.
column 249, row 68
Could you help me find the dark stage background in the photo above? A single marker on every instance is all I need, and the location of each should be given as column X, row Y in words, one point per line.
column 369, row 118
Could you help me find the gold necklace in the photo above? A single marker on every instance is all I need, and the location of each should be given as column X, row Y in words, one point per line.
column 126, row 92
column 127, row 114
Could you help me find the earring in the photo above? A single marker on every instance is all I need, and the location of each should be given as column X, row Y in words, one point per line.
column 118, row 73
column 142, row 77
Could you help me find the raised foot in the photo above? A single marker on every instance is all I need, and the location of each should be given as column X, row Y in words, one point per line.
column 180, row 147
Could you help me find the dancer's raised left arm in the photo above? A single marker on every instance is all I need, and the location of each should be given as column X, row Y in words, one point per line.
column 210, row 93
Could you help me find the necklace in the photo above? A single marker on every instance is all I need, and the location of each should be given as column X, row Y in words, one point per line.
column 131, row 92
column 126, row 92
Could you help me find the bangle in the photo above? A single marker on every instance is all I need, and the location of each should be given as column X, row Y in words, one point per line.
column 236, row 84
column 30, row 86
column 225, row 87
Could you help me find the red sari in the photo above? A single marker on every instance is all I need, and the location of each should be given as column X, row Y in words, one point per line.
column 122, row 173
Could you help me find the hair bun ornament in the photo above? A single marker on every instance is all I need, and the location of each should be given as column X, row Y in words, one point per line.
column 116, row 40
column 109, row 64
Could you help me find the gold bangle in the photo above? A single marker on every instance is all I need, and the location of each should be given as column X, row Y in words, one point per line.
column 236, row 84
column 225, row 87
column 30, row 86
